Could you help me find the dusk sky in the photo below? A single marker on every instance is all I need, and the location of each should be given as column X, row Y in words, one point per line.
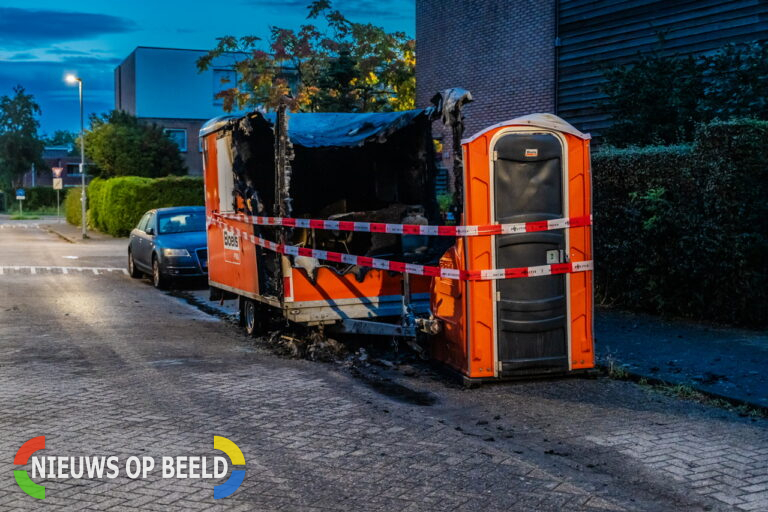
column 43, row 40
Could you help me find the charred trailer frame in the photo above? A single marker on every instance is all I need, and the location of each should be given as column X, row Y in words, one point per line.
column 346, row 167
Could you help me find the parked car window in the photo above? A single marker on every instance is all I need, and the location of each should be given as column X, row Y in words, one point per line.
column 150, row 222
column 181, row 222
column 142, row 225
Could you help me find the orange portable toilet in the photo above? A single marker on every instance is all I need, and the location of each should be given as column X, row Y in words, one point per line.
column 530, row 169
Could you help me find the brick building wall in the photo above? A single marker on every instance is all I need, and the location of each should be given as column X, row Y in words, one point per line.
column 503, row 52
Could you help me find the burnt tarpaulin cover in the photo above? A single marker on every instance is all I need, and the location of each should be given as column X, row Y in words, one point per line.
column 314, row 130
column 448, row 104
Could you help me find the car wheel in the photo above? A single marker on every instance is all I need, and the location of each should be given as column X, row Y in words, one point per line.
column 132, row 270
column 158, row 279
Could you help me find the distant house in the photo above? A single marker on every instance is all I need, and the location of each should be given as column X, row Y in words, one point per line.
column 522, row 56
column 64, row 157
column 56, row 156
column 163, row 86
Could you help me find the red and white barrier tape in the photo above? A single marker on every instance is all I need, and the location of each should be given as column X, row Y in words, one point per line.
column 414, row 229
column 410, row 268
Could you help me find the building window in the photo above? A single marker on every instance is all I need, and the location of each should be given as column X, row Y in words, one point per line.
column 73, row 169
column 223, row 79
column 179, row 136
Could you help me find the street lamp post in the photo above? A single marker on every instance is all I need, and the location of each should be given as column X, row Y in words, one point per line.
column 70, row 80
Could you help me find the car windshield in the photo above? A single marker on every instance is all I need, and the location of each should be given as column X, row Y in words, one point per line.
column 181, row 223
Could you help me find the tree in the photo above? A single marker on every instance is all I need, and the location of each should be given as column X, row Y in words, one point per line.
column 658, row 98
column 343, row 67
column 61, row 138
column 736, row 82
column 653, row 100
column 20, row 146
column 120, row 145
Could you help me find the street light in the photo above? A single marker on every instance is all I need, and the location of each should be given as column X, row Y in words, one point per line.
column 71, row 79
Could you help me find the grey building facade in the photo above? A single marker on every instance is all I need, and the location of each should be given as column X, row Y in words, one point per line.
column 523, row 56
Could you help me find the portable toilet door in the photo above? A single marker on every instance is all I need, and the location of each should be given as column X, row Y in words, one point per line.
column 531, row 169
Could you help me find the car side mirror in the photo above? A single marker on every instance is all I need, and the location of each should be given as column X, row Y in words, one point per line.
column 151, row 231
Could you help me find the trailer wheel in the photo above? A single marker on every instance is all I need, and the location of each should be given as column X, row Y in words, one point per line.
column 252, row 317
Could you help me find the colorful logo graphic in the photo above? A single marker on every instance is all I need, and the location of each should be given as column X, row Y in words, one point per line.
column 237, row 476
column 22, row 477
column 134, row 467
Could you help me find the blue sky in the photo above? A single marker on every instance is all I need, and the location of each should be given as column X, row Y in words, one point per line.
column 43, row 40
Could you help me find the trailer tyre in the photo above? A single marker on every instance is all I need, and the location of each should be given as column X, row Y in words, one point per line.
column 252, row 317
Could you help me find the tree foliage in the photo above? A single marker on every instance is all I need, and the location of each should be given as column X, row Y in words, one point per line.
column 654, row 100
column 20, row 146
column 736, row 82
column 659, row 98
column 340, row 66
column 120, row 145
column 61, row 138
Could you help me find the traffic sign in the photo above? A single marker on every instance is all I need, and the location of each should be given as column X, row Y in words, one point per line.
column 58, row 183
column 57, row 171
column 21, row 194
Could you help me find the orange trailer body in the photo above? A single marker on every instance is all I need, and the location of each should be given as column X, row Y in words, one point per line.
column 330, row 296
column 473, row 312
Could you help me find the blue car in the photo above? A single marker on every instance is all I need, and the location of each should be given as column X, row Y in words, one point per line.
column 169, row 243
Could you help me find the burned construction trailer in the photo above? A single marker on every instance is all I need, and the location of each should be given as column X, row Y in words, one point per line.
column 332, row 219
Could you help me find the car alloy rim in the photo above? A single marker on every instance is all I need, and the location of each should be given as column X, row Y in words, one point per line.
column 156, row 272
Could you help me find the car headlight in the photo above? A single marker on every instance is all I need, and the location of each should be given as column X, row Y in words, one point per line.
column 175, row 252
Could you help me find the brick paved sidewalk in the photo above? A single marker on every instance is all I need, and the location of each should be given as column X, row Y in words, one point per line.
column 723, row 361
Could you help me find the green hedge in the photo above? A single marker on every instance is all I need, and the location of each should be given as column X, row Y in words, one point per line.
column 39, row 197
column 95, row 202
column 683, row 230
column 117, row 204
column 72, row 206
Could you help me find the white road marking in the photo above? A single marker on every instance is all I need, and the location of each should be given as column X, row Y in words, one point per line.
column 64, row 270
column 25, row 226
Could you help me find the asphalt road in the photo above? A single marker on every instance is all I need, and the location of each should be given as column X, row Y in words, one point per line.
column 104, row 365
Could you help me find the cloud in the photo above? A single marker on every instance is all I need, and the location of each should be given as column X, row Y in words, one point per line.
column 367, row 9
column 23, row 56
column 32, row 28
column 65, row 51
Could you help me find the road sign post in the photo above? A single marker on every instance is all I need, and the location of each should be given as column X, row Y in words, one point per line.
column 58, row 184
column 21, row 195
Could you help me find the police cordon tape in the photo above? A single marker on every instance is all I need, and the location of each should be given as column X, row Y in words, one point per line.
column 414, row 229
column 409, row 268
